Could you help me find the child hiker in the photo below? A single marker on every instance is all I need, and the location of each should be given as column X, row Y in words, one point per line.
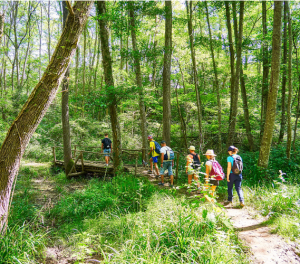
column 192, row 166
column 213, row 171
column 234, row 175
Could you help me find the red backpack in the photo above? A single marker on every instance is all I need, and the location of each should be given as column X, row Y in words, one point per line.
column 217, row 171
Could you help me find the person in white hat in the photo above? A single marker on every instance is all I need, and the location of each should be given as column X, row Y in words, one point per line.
column 213, row 170
column 192, row 165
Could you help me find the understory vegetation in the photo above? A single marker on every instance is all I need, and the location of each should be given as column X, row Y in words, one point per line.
column 129, row 220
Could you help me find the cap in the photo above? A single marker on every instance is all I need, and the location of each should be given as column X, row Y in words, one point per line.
column 162, row 142
column 150, row 137
column 231, row 148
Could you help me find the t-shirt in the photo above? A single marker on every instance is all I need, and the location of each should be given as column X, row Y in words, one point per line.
column 106, row 143
column 209, row 164
column 152, row 145
column 231, row 160
column 163, row 150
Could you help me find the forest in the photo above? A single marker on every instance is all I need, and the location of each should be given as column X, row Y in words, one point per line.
column 214, row 77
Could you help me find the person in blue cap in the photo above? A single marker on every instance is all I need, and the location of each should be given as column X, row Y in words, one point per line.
column 233, row 178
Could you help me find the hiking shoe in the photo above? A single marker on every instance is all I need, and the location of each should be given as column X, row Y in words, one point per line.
column 161, row 183
column 228, row 203
column 150, row 171
column 242, row 204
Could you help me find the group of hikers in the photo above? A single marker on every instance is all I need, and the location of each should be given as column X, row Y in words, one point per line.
column 213, row 170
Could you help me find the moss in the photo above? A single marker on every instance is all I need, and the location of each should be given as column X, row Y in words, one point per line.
column 69, row 166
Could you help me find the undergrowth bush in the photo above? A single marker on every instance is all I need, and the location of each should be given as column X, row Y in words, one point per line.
column 170, row 230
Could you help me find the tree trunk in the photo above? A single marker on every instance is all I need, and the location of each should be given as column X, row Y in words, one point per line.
column 138, row 78
column 239, row 38
column 49, row 32
column 154, row 51
column 189, row 7
column 264, row 90
column 216, row 82
column 167, row 74
column 284, row 71
column 289, row 105
column 182, row 122
column 40, row 48
column 65, row 109
column 246, row 110
column 83, row 71
column 109, row 81
column 76, row 72
column 298, row 101
column 266, row 141
column 231, row 50
column 35, row 108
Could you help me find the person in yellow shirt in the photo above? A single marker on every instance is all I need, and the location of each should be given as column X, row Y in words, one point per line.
column 154, row 156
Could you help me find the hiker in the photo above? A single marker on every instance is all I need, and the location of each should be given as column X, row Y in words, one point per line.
column 234, row 162
column 167, row 162
column 213, row 170
column 155, row 153
column 193, row 166
column 106, row 148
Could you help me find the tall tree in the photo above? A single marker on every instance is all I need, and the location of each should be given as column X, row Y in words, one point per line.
column 298, row 99
column 65, row 107
column 239, row 38
column 216, row 80
column 136, row 56
column 167, row 74
column 109, row 81
column 266, row 141
column 289, row 104
column 284, row 73
column 265, row 60
column 189, row 9
column 33, row 111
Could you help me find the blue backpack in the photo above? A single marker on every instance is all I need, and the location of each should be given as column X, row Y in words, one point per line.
column 169, row 154
column 157, row 147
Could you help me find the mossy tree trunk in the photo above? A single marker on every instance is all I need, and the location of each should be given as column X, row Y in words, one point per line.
column 266, row 141
column 35, row 108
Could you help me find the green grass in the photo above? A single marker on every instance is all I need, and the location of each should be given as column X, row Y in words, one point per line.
column 281, row 203
column 126, row 220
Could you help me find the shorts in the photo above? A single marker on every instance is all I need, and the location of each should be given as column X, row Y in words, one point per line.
column 166, row 165
column 192, row 171
column 155, row 159
column 106, row 152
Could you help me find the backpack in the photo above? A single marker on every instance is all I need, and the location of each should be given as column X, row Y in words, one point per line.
column 157, row 147
column 237, row 167
column 106, row 143
column 196, row 161
column 169, row 154
column 217, row 171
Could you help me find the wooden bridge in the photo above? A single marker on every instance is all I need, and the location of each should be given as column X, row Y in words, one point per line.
column 82, row 166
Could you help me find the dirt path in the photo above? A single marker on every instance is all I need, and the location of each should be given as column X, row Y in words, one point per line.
column 266, row 248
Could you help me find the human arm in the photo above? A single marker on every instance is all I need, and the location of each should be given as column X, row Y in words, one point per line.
column 187, row 164
column 161, row 159
column 101, row 147
column 228, row 170
column 151, row 149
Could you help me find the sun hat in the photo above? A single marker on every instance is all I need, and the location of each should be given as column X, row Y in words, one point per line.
column 191, row 148
column 150, row 137
column 231, row 148
column 210, row 152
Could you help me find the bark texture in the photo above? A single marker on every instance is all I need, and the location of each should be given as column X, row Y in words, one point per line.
column 109, row 81
column 167, row 74
column 284, row 73
column 37, row 104
column 65, row 107
column 266, row 141
column 289, row 104
column 138, row 75
column 265, row 60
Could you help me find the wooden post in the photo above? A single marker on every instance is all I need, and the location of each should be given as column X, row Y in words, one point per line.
column 177, row 164
column 54, row 156
column 143, row 157
column 75, row 151
column 136, row 162
column 82, row 164
column 74, row 166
